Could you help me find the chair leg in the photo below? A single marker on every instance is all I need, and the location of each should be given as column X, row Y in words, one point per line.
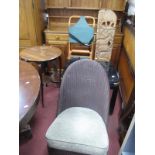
column 42, row 93
column 113, row 99
column 25, row 132
column 60, row 65
column 42, row 85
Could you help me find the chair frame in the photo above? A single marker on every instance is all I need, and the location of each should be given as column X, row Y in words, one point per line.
column 81, row 51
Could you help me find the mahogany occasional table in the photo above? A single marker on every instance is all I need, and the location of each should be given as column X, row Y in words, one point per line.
column 29, row 87
column 41, row 55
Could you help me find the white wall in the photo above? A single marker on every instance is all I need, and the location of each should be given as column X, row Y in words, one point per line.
column 131, row 10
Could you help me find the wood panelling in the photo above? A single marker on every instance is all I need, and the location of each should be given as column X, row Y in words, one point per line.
column 115, row 55
column 23, row 26
column 116, row 49
column 30, row 23
column 85, row 3
column 24, row 43
column 126, row 77
column 69, row 12
column 126, row 65
column 129, row 45
column 58, row 3
column 117, row 5
column 38, row 19
column 26, row 25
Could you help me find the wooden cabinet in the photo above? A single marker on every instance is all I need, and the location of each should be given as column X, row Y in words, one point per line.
column 30, row 23
column 117, row 5
column 85, row 3
column 59, row 12
column 61, row 39
column 57, row 3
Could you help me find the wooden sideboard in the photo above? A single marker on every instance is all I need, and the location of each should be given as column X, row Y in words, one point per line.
column 59, row 12
column 87, row 4
column 30, row 23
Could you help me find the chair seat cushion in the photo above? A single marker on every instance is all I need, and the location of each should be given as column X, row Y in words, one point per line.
column 81, row 32
column 80, row 130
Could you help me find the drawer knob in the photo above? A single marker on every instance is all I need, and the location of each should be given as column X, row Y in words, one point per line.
column 57, row 38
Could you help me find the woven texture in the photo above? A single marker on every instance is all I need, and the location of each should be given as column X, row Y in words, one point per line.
column 85, row 84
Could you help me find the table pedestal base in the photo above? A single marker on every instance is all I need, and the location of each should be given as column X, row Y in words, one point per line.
column 25, row 132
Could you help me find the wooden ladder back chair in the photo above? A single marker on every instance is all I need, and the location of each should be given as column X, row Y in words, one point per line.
column 78, row 48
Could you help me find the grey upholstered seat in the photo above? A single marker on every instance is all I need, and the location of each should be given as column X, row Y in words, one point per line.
column 79, row 130
column 80, row 126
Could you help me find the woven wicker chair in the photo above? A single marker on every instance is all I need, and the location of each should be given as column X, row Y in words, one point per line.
column 80, row 127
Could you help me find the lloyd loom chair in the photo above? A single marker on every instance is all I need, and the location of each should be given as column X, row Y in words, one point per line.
column 80, row 127
column 81, row 35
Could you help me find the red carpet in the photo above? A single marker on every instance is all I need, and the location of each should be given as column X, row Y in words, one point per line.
column 113, row 124
column 44, row 117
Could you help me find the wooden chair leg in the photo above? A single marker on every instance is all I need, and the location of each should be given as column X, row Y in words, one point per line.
column 60, row 65
column 113, row 99
column 42, row 85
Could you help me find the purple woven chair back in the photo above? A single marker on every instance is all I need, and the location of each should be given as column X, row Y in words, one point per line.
column 85, row 84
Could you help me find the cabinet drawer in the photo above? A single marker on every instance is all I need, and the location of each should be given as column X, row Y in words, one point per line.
column 53, row 42
column 56, row 37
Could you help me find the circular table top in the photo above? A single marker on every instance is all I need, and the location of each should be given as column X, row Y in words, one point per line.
column 40, row 53
column 29, row 86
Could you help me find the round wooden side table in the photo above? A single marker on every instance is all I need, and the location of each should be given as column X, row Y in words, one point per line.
column 42, row 55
